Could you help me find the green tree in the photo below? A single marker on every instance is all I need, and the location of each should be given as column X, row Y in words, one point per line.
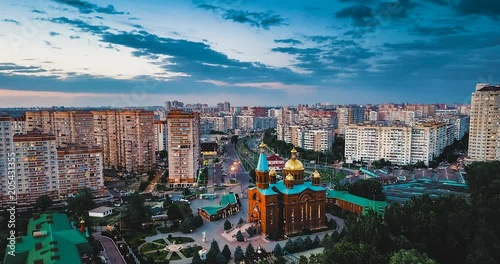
column 43, row 202
column 167, row 202
column 188, row 225
column 174, row 213
column 308, row 243
column 240, row 237
column 290, row 246
column 303, row 260
column 186, row 192
column 198, row 221
column 136, row 213
column 241, row 221
column 410, row 257
column 277, row 251
column 81, row 203
column 369, row 189
column 196, row 258
column 250, row 251
column 226, row 252
column 317, row 241
column 143, row 185
column 220, row 259
column 213, row 252
column 227, row 225
column 238, row 254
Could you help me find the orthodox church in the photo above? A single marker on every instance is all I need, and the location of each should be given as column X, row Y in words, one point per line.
column 287, row 206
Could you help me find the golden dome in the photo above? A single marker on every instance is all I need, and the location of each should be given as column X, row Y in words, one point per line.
column 289, row 177
column 293, row 151
column 272, row 172
column 262, row 145
column 316, row 174
column 294, row 165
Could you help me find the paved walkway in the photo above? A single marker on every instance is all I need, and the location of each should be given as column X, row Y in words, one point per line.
column 109, row 246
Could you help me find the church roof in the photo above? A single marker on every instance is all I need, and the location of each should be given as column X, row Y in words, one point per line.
column 262, row 165
column 357, row 200
column 281, row 187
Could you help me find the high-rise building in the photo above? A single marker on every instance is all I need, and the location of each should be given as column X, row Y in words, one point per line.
column 18, row 125
column 69, row 127
column 484, row 135
column 80, row 167
column 127, row 139
column 36, row 167
column 161, row 135
column 318, row 139
column 352, row 114
column 398, row 144
column 184, row 147
column 6, row 152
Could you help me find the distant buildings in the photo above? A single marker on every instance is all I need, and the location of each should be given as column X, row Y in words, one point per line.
column 317, row 139
column 6, row 157
column 397, row 144
column 352, row 114
column 184, row 147
column 484, row 137
column 161, row 140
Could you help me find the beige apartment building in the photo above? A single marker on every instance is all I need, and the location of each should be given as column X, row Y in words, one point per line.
column 399, row 144
column 69, row 127
column 484, row 136
column 184, row 147
column 80, row 167
column 127, row 139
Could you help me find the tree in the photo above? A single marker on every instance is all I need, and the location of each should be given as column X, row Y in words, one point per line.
column 317, row 241
column 241, row 221
column 81, row 203
column 43, row 202
column 226, row 252
column 238, row 254
column 290, row 246
column 137, row 213
column 369, row 189
column 196, row 258
column 213, row 252
column 277, row 251
column 167, row 202
column 240, row 237
column 186, row 192
column 174, row 213
column 227, row 225
column 188, row 225
column 198, row 221
column 250, row 251
column 303, row 260
column 234, row 139
column 251, row 231
column 143, row 185
column 409, row 257
column 308, row 243
column 220, row 259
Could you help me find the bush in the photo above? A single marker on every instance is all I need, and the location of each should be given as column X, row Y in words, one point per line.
column 240, row 237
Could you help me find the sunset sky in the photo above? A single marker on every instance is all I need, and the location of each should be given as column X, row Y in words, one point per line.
column 248, row 52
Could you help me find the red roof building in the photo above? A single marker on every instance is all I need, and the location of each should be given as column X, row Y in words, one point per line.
column 275, row 162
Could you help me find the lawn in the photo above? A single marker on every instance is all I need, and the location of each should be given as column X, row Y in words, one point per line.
column 150, row 247
column 159, row 257
column 181, row 240
column 175, row 256
column 189, row 252
column 160, row 241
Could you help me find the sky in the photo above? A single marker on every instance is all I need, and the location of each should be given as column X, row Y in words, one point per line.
column 248, row 52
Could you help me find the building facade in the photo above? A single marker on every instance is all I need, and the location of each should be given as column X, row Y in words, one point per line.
column 352, row 114
column 484, row 135
column 6, row 158
column 287, row 206
column 127, row 139
column 161, row 135
column 184, row 147
column 80, row 167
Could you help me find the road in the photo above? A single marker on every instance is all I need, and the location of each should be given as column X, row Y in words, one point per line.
column 114, row 256
column 152, row 185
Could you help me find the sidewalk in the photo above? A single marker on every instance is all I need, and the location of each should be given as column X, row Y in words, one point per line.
column 109, row 246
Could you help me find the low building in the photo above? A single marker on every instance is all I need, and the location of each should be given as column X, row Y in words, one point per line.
column 228, row 206
column 51, row 239
column 101, row 211
column 355, row 204
column 276, row 162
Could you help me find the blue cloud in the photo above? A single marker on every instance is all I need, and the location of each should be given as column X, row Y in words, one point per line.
column 53, row 34
column 83, row 26
column 85, row 7
column 264, row 20
column 12, row 68
column 8, row 20
column 288, row 41
column 479, row 7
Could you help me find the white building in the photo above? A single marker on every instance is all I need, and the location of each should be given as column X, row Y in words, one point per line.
column 373, row 116
column 161, row 142
column 484, row 136
column 6, row 151
column 101, row 211
column 317, row 140
column 398, row 144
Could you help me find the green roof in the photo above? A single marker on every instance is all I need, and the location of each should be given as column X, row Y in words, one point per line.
column 60, row 240
column 225, row 201
column 281, row 187
column 378, row 206
column 262, row 164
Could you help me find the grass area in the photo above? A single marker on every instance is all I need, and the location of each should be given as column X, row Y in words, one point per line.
column 189, row 252
column 159, row 257
column 181, row 240
column 160, row 241
column 150, row 247
column 175, row 256
column 135, row 239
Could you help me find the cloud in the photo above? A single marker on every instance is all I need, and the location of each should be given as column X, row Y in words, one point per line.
column 38, row 11
column 83, row 26
column 266, row 85
column 53, row 34
column 12, row 68
column 264, row 20
column 439, row 2
column 87, row 8
column 437, row 31
column 8, row 20
column 479, row 7
column 447, row 43
column 320, row 39
column 361, row 15
column 288, row 41
column 74, row 37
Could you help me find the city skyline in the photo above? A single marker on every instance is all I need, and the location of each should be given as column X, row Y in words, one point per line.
column 115, row 53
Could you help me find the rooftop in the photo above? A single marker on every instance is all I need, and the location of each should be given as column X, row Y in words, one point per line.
column 357, row 200
column 280, row 187
column 100, row 209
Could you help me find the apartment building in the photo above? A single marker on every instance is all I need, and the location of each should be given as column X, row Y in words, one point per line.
column 352, row 114
column 18, row 125
column 80, row 167
column 127, row 139
column 246, row 122
column 484, row 136
column 318, row 140
column 398, row 144
column 6, row 151
column 184, row 147
column 69, row 127
column 36, row 167
column 160, row 135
